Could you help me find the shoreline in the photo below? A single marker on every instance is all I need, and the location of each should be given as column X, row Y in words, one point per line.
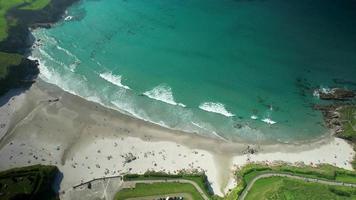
column 77, row 135
column 19, row 41
column 86, row 140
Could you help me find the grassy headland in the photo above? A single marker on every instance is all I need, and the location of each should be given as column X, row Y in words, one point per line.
column 6, row 5
column 287, row 188
column 324, row 172
column 15, row 18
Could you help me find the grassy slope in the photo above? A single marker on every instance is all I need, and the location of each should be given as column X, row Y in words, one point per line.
column 286, row 188
column 142, row 190
column 6, row 60
column 328, row 172
column 6, row 5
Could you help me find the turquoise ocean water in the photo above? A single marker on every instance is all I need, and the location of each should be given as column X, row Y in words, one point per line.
column 233, row 69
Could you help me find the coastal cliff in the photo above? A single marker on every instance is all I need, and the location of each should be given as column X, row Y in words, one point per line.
column 15, row 69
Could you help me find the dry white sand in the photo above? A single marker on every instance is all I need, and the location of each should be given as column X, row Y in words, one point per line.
column 87, row 141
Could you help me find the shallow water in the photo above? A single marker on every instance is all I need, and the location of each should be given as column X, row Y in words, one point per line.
column 234, row 69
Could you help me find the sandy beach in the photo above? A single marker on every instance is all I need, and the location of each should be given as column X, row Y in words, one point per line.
column 86, row 141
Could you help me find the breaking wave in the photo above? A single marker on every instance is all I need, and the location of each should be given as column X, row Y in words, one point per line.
column 114, row 79
column 218, row 108
column 163, row 93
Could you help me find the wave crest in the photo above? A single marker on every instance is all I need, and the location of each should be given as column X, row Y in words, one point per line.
column 163, row 93
column 114, row 79
column 218, row 108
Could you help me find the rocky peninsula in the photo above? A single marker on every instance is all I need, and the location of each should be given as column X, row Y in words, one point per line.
column 17, row 70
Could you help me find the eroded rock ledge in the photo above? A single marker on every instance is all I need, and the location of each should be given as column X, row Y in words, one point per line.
column 335, row 94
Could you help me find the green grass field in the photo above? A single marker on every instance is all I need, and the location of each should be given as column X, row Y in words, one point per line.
column 198, row 178
column 327, row 172
column 7, row 60
column 159, row 189
column 282, row 188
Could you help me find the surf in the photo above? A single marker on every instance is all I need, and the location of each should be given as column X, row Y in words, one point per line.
column 215, row 107
column 114, row 79
column 164, row 94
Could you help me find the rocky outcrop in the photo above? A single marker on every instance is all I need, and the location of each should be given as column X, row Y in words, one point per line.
column 19, row 40
column 332, row 116
column 335, row 94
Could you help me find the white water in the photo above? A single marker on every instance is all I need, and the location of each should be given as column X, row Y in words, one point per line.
column 163, row 93
column 268, row 121
column 114, row 79
column 218, row 108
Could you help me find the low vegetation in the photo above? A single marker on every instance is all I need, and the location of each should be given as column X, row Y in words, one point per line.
column 13, row 34
column 6, row 5
column 159, row 189
column 199, row 178
column 7, row 60
column 33, row 182
column 348, row 120
column 287, row 188
column 327, row 172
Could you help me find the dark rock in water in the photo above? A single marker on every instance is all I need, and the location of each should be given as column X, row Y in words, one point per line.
column 336, row 94
column 238, row 126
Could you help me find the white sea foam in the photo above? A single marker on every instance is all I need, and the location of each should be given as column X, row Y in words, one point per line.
column 218, row 108
column 163, row 93
column 114, row 79
column 67, row 52
column 196, row 124
column 212, row 132
column 268, row 121
column 322, row 90
column 254, row 117
column 71, row 67
column 68, row 18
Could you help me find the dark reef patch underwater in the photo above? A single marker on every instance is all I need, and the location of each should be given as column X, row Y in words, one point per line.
column 240, row 70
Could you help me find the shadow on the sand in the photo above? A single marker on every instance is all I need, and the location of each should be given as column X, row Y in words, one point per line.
column 4, row 99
